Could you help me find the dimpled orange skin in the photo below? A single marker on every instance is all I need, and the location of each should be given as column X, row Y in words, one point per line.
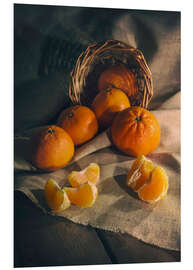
column 107, row 103
column 136, row 131
column 51, row 148
column 80, row 122
column 118, row 77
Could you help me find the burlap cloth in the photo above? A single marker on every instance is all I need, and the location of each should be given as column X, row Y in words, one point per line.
column 117, row 208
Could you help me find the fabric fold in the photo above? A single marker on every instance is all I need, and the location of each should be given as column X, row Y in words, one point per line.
column 117, row 208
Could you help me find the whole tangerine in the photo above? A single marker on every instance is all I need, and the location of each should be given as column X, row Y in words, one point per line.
column 136, row 131
column 51, row 148
column 107, row 103
column 80, row 122
column 120, row 77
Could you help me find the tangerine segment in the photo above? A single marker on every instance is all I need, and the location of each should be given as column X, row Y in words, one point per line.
column 139, row 172
column 156, row 187
column 84, row 195
column 89, row 174
column 56, row 198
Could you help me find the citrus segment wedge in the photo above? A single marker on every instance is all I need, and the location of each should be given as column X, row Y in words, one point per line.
column 56, row 198
column 84, row 195
column 89, row 174
column 149, row 181
column 156, row 187
column 139, row 172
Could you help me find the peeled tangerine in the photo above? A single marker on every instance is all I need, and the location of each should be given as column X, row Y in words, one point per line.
column 56, row 197
column 82, row 193
column 89, row 174
column 85, row 195
column 150, row 182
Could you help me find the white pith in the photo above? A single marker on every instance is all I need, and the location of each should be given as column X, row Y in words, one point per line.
column 95, row 192
column 136, row 174
column 66, row 202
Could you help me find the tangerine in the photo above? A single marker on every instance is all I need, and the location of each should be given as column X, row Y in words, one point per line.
column 149, row 181
column 80, row 122
column 120, row 77
column 51, row 148
column 107, row 103
column 136, row 131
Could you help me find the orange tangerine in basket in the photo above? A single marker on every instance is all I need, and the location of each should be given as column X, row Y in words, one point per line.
column 150, row 182
column 56, row 198
column 107, row 104
column 118, row 76
column 90, row 174
column 84, row 195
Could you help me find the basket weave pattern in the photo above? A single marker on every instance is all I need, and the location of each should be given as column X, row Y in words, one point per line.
column 96, row 58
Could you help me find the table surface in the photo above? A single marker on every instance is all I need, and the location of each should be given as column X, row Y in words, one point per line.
column 45, row 240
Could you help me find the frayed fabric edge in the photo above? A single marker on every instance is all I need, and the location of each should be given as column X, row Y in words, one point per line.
column 109, row 228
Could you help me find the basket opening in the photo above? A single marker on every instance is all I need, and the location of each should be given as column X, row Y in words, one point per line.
column 96, row 59
column 103, row 62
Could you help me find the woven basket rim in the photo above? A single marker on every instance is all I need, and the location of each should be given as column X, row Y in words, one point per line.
column 79, row 73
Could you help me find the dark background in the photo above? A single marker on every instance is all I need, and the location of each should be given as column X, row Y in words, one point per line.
column 48, row 40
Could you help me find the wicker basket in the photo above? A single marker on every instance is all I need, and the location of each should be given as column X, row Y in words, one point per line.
column 96, row 58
